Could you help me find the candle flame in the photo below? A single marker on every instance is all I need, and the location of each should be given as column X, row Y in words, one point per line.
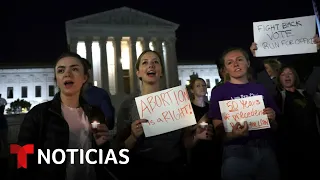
column 95, row 124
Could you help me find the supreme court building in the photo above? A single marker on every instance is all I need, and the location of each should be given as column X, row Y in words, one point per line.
column 113, row 40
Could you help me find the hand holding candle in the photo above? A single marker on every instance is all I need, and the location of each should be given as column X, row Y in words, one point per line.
column 204, row 131
column 100, row 132
column 95, row 124
column 203, row 124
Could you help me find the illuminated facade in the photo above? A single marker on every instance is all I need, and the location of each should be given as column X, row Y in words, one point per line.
column 208, row 72
column 35, row 85
column 112, row 42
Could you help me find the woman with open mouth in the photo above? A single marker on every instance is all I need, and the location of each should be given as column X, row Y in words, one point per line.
column 65, row 123
column 156, row 157
column 298, row 135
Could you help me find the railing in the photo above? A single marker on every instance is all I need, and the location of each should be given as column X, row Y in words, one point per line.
column 14, row 122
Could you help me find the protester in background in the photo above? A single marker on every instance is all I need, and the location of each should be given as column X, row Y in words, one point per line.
column 222, row 74
column 198, row 89
column 4, row 146
column 64, row 123
column 156, row 157
column 267, row 72
column 205, row 149
column 270, row 67
column 99, row 97
column 299, row 139
column 247, row 154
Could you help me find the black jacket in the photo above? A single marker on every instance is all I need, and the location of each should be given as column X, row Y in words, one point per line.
column 45, row 127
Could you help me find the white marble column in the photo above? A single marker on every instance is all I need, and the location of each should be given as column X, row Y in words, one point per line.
column 158, row 48
column 73, row 45
column 172, row 64
column 133, row 60
column 145, row 43
column 118, row 66
column 104, row 64
column 88, row 43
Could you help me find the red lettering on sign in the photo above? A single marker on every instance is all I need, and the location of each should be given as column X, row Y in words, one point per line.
column 248, row 114
column 154, row 101
column 249, row 103
column 143, row 108
column 177, row 101
column 259, row 124
column 248, row 109
column 173, row 115
column 233, row 106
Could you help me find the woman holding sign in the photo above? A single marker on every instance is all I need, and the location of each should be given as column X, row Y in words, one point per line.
column 247, row 154
column 156, row 157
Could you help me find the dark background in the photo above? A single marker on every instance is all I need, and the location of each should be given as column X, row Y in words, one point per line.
column 34, row 31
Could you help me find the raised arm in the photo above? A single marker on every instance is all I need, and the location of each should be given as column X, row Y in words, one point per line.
column 256, row 62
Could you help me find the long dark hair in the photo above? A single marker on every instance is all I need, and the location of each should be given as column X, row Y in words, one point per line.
column 85, row 64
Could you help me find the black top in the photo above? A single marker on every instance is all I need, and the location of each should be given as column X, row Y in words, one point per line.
column 45, row 127
column 299, row 116
column 200, row 111
column 203, row 152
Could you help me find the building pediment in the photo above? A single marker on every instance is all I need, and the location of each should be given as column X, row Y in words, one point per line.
column 122, row 17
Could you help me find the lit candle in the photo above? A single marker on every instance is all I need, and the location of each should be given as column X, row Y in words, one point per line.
column 203, row 124
column 95, row 124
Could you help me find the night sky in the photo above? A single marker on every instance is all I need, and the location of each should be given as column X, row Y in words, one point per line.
column 34, row 31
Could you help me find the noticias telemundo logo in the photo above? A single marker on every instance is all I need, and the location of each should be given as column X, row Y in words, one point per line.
column 49, row 157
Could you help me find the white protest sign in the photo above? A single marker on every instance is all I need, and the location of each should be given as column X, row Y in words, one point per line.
column 285, row 36
column 248, row 109
column 166, row 111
